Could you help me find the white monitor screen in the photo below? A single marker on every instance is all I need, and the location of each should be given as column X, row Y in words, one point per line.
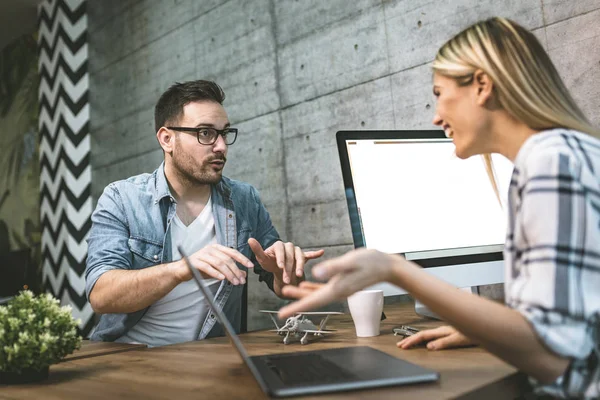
column 416, row 197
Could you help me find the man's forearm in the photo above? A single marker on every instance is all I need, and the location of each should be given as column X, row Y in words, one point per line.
column 126, row 291
column 501, row 330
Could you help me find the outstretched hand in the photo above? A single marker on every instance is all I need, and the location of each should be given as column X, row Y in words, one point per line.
column 444, row 337
column 283, row 259
column 347, row 274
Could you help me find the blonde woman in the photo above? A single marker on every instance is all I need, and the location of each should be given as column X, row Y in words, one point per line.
column 498, row 92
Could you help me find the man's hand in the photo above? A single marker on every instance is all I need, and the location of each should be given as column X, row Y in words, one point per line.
column 215, row 261
column 284, row 260
column 444, row 337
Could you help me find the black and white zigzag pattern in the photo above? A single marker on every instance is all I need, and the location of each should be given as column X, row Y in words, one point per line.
column 65, row 173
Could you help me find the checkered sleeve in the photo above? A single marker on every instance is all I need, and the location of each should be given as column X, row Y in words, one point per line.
column 556, row 285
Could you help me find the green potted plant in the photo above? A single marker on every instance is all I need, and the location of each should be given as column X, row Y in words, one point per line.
column 35, row 332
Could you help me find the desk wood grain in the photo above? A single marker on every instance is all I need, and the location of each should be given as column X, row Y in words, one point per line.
column 213, row 369
column 94, row 349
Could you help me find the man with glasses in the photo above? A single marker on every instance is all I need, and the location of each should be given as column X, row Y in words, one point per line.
column 135, row 276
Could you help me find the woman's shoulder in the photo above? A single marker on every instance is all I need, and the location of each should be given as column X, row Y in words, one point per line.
column 560, row 139
column 558, row 150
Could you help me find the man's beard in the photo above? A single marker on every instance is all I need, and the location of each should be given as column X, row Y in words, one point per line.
column 203, row 175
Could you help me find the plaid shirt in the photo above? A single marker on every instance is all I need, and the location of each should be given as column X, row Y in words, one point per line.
column 552, row 252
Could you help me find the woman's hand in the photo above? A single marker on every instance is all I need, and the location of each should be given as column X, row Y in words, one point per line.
column 347, row 274
column 302, row 290
column 444, row 337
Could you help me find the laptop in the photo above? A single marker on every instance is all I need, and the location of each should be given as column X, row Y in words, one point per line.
column 322, row 371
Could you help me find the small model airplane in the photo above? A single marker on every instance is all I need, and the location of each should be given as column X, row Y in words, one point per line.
column 299, row 325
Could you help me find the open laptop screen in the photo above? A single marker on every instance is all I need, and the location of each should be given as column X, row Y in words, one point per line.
column 413, row 196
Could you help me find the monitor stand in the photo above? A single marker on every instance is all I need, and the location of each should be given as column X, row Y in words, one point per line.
column 423, row 311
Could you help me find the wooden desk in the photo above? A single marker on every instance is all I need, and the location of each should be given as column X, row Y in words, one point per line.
column 94, row 349
column 213, row 369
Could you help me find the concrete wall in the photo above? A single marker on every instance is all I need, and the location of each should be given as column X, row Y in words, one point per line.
column 294, row 73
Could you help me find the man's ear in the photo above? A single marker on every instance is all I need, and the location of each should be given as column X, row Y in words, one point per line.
column 166, row 139
column 484, row 87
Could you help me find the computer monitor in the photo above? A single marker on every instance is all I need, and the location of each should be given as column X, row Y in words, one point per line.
column 409, row 194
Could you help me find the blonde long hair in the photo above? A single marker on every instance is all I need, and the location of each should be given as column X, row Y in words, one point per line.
column 526, row 82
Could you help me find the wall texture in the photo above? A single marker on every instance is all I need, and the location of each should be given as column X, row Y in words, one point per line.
column 294, row 73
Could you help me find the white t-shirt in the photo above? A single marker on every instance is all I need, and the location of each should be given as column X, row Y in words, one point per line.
column 178, row 316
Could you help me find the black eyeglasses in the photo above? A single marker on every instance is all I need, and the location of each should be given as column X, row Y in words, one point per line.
column 209, row 136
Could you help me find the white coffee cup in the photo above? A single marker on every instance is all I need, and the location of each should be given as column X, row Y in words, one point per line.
column 366, row 307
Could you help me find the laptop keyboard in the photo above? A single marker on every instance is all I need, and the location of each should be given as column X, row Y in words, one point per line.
column 312, row 368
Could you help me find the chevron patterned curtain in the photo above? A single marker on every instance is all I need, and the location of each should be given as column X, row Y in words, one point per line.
column 65, row 171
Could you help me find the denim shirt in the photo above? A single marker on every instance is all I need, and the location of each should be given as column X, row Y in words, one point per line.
column 131, row 230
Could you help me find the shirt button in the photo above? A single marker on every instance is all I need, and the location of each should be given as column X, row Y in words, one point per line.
column 212, row 316
column 230, row 215
column 155, row 257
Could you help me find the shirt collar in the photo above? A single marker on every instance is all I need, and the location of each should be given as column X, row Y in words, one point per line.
column 162, row 187
column 529, row 144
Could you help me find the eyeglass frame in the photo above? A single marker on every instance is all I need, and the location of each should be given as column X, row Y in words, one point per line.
column 197, row 132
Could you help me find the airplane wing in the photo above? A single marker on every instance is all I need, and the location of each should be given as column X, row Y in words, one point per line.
column 320, row 313
column 305, row 313
column 314, row 331
column 273, row 319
